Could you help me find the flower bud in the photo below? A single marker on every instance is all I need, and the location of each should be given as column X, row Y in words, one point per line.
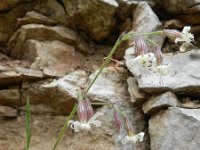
column 89, row 109
column 158, row 54
column 172, row 34
column 82, row 111
column 141, row 47
column 129, row 127
column 118, row 121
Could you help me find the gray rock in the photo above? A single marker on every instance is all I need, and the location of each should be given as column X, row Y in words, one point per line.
column 33, row 17
column 137, row 96
column 95, row 17
column 44, row 33
column 157, row 103
column 50, row 126
column 183, row 76
column 175, row 128
column 56, row 97
column 10, row 97
column 53, row 9
column 185, row 10
column 54, row 58
column 145, row 20
column 6, row 111
column 110, row 85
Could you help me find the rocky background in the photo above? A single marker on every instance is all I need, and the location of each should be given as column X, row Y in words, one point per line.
column 51, row 48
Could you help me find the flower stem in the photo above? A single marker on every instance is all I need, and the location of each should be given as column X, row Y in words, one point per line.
column 65, row 126
column 108, row 59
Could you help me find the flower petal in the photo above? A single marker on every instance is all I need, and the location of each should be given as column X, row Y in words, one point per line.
column 96, row 115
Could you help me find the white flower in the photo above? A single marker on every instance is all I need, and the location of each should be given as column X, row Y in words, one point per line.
column 92, row 123
column 161, row 70
column 133, row 139
column 146, row 61
column 186, row 37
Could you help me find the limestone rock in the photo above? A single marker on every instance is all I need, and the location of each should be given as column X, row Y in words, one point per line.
column 185, row 10
column 110, row 85
column 52, row 9
column 95, row 17
column 175, row 128
column 11, row 75
column 183, row 74
column 8, row 4
column 50, row 126
column 33, row 17
column 47, row 33
column 10, row 97
column 160, row 102
column 145, row 20
column 53, row 97
column 6, row 111
column 54, row 58
column 137, row 96
column 8, row 19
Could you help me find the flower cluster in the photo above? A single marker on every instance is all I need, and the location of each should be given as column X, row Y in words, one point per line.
column 185, row 37
column 151, row 59
column 87, row 118
column 130, row 138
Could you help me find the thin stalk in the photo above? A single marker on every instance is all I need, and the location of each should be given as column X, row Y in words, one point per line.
column 131, row 35
column 28, row 128
column 108, row 59
column 64, row 127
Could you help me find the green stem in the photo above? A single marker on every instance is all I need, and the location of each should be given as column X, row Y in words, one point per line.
column 104, row 64
column 131, row 35
column 65, row 126
column 28, row 128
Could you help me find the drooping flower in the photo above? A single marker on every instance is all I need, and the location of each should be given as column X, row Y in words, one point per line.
column 131, row 138
column 118, row 121
column 172, row 34
column 141, row 47
column 161, row 71
column 184, row 36
column 158, row 54
column 146, row 61
column 86, row 121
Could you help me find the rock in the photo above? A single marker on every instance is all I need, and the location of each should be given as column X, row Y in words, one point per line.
column 8, row 19
column 111, row 85
column 52, row 9
column 137, row 96
column 187, row 11
column 163, row 101
column 6, row 111
column 174, row 24
column 145, row 20
column 9, row 4
column 47, row 33
column 10, row 97
column 53, row 97
column 182, row 67
column 54, row 58
column 175, row 128
column 33, row 17
column 83, row 15
column 188, row 103
column 17, row 75
column 50, row 126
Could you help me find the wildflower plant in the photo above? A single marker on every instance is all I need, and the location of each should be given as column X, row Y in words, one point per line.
column 148, row 60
